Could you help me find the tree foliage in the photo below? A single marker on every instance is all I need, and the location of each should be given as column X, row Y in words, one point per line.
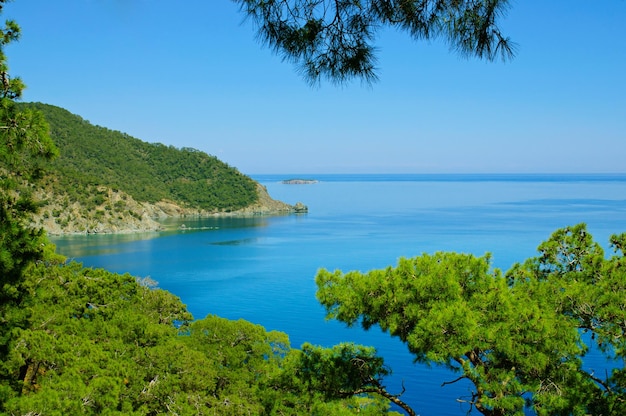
column 516, row 337
column 334, row 39
column 24, row 146
column 104, row 343
column 346, row 370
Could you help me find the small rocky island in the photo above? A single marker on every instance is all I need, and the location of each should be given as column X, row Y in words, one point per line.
column 299, row 181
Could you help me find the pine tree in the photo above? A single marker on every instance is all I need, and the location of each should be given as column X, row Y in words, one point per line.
column 24, row 144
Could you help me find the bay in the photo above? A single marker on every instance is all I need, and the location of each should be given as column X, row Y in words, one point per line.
column 262, row 269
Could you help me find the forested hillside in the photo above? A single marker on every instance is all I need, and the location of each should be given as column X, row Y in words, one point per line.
column 95, row 156
column 105, row 181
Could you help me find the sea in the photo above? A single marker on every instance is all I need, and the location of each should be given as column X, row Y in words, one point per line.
column 262, row 268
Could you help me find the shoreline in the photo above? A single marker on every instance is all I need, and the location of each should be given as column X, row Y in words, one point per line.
column 148, row 217
column 156, row 225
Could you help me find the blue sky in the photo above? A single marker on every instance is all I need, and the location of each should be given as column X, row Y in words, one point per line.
column 192, row 74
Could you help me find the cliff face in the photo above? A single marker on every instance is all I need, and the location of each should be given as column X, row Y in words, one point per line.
column 268, row 206
column 118, row 212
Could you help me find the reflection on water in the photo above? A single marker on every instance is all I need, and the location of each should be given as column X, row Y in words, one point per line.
column 205, row 223
column 235, row 242
column 87, row 245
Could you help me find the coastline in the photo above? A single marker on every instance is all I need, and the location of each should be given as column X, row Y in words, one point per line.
column 143, row 217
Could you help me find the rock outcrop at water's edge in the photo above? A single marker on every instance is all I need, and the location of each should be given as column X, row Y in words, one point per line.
column 299, row 181
column 267, row 206
column 120, row 213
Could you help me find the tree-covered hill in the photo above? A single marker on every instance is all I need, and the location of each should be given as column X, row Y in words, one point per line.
column 96, row 156
column 108, row 181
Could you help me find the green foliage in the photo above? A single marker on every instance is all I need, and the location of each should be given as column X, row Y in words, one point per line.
column 24, row 147
column 346, row 371
column 104, row 343
column 339, row 370
column 334, row 39
column 517, row 337
column 93, row 156
column 589, row 289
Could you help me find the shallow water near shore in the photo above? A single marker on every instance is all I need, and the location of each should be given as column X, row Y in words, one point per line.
column 262, row 269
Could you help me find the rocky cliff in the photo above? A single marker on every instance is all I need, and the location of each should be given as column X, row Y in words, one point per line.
column 118, row 212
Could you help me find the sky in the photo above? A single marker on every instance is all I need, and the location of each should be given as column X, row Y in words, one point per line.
column 192, row 73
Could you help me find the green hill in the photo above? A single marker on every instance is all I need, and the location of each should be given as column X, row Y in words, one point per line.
column 93, row 155
column 108, row 181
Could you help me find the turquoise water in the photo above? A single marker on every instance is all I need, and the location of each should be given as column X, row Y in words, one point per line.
column 263, row 269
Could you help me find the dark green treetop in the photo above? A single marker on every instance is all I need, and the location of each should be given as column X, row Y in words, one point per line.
column 24, row 146
column 334, row 39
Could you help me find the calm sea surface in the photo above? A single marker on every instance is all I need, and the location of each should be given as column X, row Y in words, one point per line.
column 263, row 269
